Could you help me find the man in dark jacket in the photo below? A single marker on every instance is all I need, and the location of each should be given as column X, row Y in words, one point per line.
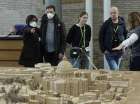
column 112, row 33
column 52, row 37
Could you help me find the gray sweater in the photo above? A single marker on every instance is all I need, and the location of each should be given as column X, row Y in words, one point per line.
column 50, row 36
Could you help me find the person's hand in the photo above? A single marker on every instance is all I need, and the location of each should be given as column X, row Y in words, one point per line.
column 60, row 56
column 32, row 30
column 118, row 48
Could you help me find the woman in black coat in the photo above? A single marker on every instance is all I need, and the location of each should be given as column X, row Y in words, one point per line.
column 31, row 53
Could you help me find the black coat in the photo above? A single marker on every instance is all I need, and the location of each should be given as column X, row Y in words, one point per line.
column 31, row 53
column 59, row 33
column 74, row 35
column 106, row 34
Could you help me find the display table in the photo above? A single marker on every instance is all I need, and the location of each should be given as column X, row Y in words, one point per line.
column 134, row 95
column 10, row 49
column 83, row 86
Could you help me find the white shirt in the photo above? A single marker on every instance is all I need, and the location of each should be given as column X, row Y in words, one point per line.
column 132, row 39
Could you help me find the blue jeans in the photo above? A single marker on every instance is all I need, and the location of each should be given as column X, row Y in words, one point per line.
column 81, row 61
column 113, row 59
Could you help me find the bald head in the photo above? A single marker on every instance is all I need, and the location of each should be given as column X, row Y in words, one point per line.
column 114, row 12
column 114, row 9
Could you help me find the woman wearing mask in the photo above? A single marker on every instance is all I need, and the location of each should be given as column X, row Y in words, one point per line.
column 133, row 41
column 31, row 53
column 79, row 37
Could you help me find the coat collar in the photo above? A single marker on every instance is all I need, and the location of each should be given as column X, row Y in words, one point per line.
column 121, row 20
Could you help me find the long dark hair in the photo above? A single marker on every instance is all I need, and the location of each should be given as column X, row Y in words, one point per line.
column 134, row 19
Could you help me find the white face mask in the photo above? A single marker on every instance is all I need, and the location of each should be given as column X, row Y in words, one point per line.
column 50, row 15
column 33, row 24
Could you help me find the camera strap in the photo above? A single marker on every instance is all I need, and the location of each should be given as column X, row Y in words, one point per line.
column 82, row 40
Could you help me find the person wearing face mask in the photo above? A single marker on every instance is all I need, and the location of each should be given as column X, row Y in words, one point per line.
column 31, row 52
column 52, row 37
column 79, row 37
column 112, row 33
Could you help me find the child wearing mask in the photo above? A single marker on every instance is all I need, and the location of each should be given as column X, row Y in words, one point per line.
column 31, row 53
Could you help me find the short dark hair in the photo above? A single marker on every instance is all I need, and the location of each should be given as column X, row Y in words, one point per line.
column 51, row 7
column 30, row 18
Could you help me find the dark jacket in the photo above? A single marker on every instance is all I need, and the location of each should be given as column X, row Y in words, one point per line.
column 135, row 51
column 136, row 46
column 31, row 53
column 59, row 33
column 106, row 34
column 74, row 36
